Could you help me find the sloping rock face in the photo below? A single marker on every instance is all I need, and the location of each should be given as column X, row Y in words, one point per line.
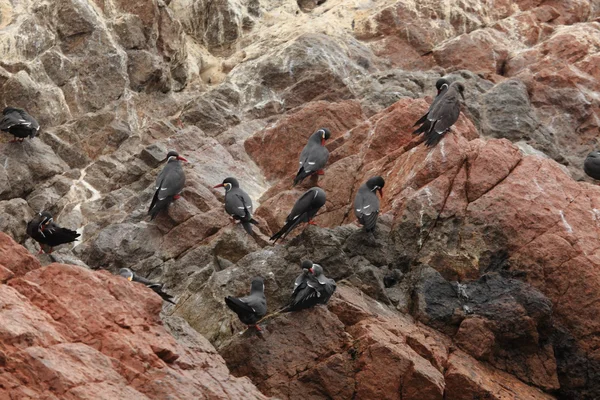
column 71, row 333
column 489, row 241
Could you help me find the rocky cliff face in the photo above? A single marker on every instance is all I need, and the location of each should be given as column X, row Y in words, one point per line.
column 492, row 236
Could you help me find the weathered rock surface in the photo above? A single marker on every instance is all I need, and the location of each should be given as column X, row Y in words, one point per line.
column 486, row 235
column 71, row 333
column 357, row 348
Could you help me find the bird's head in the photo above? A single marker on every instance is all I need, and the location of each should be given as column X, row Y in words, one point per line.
column 45, row 219
column 441, row 84
column 376, row 183
column 258, row 285
column 126, row 273
column 228, row 184
column 323, row 134
column 316, row 270
column 306, row 265
column 594, row 154
column 174, row 156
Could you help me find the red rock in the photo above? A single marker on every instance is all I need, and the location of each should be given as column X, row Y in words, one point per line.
column 357, row 348
column 15, row 257
column 475, row 338
column 71, row 333
column 483, row 51
column 492, row 163
column 276, row 149
column 466, row 381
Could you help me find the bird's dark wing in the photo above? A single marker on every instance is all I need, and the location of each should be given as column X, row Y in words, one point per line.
column 326, row 288
column 306, row 297
column 313, row 158
column 55, row 235
column 170, row 181
column 238, row 204
column 19, row 122
column 445, row 113
column 158, row 289
column 366, row 208
column 258, row 302
column 301, row 206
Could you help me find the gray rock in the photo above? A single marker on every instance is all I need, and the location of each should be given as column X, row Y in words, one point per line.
column 14, row 216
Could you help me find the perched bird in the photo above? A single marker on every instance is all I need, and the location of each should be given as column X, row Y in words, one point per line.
column 169, row 184
column 19, row 123
column 304, row 210
column 44, row 231
column 314, row 156
column 591, row 165
column 238, row 204
column 442, row 86
column 157, row 287
column 311, row 288
column 252, row 308
column 366, row 202
column 443, row 114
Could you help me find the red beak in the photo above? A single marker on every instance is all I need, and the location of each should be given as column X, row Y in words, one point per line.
column 322, row 142
column 381, row 193
column 311, row 271
column 219, row 185
column 181, row 159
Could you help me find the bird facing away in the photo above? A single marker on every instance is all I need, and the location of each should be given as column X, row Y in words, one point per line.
column 238, row 204
column 443, row 114
column 157, row 287
column 19, row 123
column 366, row 202
column 169, row 184
column 314, row 156
column 44, row 231
column 442, row 86
column 591, row 165
column 304, row 210
column 252, row 308
column 310, row 289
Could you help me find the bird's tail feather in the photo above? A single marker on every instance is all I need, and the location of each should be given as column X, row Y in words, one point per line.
column 158, row 206
column 420, row 120
column 237, row 306
column 423, row 128
column 287, row 228
column 248, row 227
column 432, row 138
column 369, row 221
column 301, row 175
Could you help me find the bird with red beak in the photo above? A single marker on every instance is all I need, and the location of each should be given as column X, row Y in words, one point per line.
column 44, row 231
column 169, row 184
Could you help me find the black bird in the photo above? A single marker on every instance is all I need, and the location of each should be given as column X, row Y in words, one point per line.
column 169, row 184
column 19, row 123
column 366, row 202
column 311, row 288
column 443, row 114
column 304, row 210
column 157, row 287
column 442, row 86
column 252, row 308
column 314, row 156
column 238, row 204
column 44, row 231
column 591, row 165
